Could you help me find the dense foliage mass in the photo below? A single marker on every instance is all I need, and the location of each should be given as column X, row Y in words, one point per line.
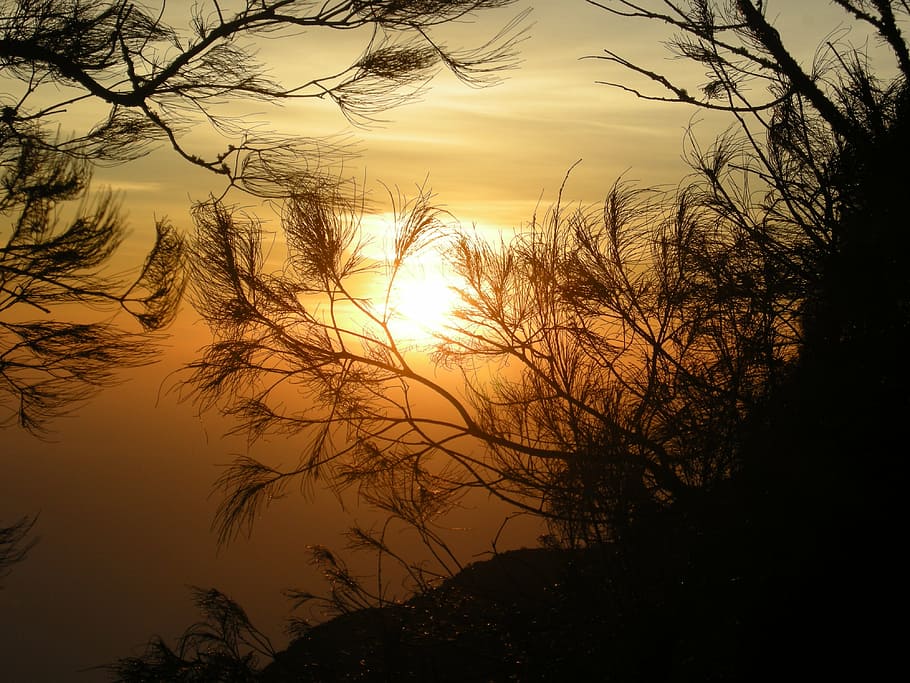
column 607, row 362
column 698, row 387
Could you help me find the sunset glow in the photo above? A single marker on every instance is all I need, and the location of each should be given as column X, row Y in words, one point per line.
column 421, row 302
column 122, row 486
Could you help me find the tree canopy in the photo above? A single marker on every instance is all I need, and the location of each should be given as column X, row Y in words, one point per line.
column 606, row 360
column 701, row 383
column 57, row 255
column 154, row 76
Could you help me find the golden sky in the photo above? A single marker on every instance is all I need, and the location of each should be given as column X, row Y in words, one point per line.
column 491, row 155
column 122, row 492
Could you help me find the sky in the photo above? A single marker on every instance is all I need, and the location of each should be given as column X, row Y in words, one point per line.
column 123, row 488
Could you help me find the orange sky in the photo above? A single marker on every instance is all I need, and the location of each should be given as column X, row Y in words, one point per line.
column 123, row 492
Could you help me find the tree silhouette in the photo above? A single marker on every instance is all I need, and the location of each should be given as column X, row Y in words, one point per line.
column 156, row 80
column 56, row 255
column 806, row 175
column 607, row 360
column 801, row 179
column 712, row 376
column 224, row 646
column 601, row 362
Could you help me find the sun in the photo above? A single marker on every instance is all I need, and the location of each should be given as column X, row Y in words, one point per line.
column 421, row 302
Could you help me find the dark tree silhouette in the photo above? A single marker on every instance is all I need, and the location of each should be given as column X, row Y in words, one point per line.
column 600, row 363
column 714, row 376
column 156, row 80
column 809, row 177
column 57, row 253
column 224, row 646
column 606, row 361
column 799, row 185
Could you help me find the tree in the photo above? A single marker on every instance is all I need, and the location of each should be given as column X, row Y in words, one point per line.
column 817, row 204
column 55, row 256
column 224, row 646
column 610, row 359
column 156, row 80
column 713, row 367
column 805, row 139
column 806, row 176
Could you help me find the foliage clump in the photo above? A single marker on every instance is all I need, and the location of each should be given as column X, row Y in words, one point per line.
column 697, row 389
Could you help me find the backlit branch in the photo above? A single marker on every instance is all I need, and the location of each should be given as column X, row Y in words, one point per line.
column 157, row 79
column 47, row 365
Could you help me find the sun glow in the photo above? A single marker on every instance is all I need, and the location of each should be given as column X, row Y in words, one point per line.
column 415, row 300
column 421, row 302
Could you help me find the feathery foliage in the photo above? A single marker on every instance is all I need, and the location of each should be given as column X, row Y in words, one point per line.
column 57, row 249
column 224, row 646
column 603, row 363
column 157, row 79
